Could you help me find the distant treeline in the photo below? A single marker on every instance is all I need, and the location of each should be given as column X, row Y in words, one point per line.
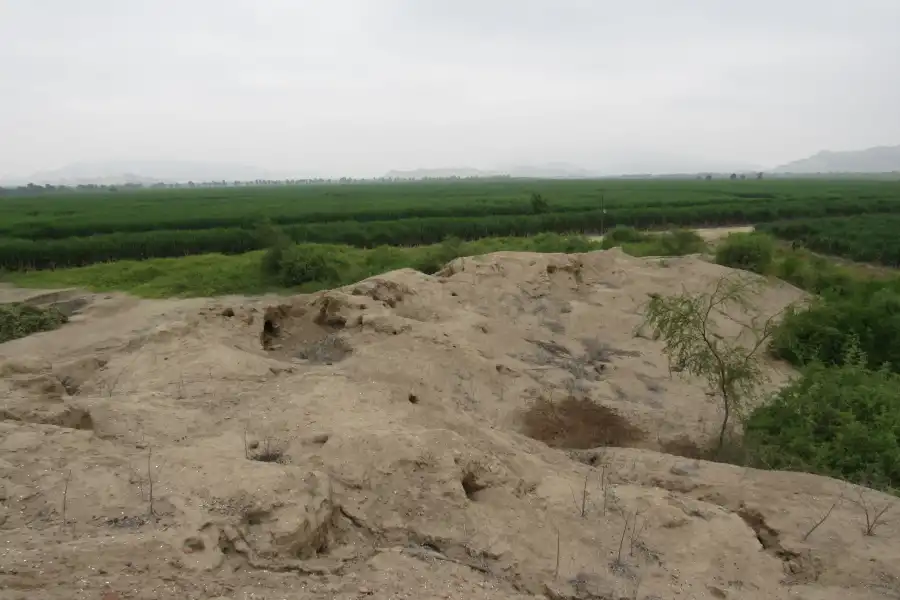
column 24, row 254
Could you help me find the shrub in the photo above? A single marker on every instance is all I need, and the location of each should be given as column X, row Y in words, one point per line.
column 827, row 326
column 679, row 242
column 838, row 421
column 311, row 263
column 620, row 234
column 18, row 320
column 748, row 251
column 432, row 259
column 276, row 243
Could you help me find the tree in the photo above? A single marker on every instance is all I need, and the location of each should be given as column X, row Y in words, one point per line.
column 730, row 364
column 539, row 204
column 733, row 176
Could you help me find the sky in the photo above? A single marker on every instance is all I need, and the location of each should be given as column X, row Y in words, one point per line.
column 359, row 87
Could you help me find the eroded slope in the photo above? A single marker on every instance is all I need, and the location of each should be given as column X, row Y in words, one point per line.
column 370, row 442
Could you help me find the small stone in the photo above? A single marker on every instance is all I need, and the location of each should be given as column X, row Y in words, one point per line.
column 685, row 469
column 228, row 312
column 717, row 592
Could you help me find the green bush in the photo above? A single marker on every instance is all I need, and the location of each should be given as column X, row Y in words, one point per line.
column 311, row 263
column 276, row 243
column 679, row 242
column 18, row 320
column 621, row 234
column 838, row 421
column 748, row 251
column 822, row 331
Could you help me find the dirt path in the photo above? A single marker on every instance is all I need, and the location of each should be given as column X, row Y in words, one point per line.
column 710, row 234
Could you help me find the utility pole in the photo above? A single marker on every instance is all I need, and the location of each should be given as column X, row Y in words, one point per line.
column 602, row 213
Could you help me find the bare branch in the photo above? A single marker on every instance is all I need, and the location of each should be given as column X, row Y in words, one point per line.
column 66, row 497
column 873, row 512
column 824, row 517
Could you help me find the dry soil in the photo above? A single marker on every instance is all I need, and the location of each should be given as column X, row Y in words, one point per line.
column 409, row 436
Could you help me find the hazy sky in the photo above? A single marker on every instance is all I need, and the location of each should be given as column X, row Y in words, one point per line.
column 362, row 86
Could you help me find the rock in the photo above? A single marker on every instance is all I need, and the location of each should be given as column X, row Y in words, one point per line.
column 685, row 469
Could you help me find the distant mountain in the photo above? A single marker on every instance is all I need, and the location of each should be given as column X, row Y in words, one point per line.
column 553, row 170
column 142, row 171
column 881, row 159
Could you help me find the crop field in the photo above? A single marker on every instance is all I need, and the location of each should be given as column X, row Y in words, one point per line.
column 871, row 238
column 81, row 228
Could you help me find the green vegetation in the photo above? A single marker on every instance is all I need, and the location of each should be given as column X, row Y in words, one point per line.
column 867, row 238
column 284, row 267
column 77, row 229
column 850, row 307
column 18, row 320
column 676, row 242
column 747, row 251
column 693, row 345
column 838, row 421
column 822, row 331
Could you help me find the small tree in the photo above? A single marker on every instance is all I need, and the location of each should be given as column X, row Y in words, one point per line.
column 730, row 365
column 539, row 204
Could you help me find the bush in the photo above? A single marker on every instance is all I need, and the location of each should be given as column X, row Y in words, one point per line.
column 432, row 259
column 822, row 331
column 276, row 243
column 620, row 234
column 838, row 421
column 18, row 320
column 680, row 242
column 311, row 263
column 748, row 251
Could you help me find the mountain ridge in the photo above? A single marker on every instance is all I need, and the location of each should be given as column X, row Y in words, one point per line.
column 877, row 159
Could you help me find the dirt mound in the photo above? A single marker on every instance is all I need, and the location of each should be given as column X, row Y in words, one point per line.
column 409, row 436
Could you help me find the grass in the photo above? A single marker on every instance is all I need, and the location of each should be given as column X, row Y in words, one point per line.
column 219, row 274
column 202, row 275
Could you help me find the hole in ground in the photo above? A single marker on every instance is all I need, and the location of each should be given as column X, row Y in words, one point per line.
column 471, row 486
column 578, row 423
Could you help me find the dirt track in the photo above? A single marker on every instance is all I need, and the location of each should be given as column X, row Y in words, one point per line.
column 710, row 234
column 377, row 448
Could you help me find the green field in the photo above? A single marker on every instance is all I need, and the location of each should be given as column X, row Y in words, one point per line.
column 866, row 238
column 83, row 228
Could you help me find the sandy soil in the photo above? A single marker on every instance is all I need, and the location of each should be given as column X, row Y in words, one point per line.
column 370, row 442
column 710, row 234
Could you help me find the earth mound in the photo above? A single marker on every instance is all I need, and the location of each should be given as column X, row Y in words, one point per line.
column 491, row 432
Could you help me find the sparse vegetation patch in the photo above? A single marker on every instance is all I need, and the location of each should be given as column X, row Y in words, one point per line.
column 18, row 320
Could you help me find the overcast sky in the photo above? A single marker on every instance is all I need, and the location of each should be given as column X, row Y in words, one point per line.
column 358, row 87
